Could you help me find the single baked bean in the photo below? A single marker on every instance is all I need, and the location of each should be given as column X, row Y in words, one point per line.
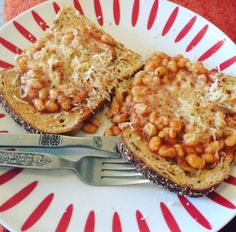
column 153, row 117
column 116, row 130
column 190, row 139
column 195, row 161
column 154, row 143
column 176, row 125
column 213, row 147
column 188, row 149
column 172, row 134
column 109, row 132
column 43, row 94
column 165, row 62
column 179, row 150
column 167, row 151
column 139, row 90
column 163, row 133
column 198, row 68
column 119, row 118
column 51, row 106
column 65, row 103
column 172, row 66
column 150, row 66
column 209, row 158
column 160, row 71
column 150, row 129
column 89, row 128
column 230, row 141
column 38, row 104
column 108, row 40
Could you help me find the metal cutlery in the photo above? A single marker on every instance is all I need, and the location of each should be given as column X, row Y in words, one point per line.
column 104, row 143
column 92, row 170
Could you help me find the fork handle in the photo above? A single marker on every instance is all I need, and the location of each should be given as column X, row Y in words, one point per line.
column 33, row 160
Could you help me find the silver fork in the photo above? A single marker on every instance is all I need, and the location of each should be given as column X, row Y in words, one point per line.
column 92, row 170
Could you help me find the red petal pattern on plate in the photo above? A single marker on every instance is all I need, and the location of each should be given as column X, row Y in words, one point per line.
column 10, row 174
column 4, row 131
column 98, row 11
column 231, row 180
column 170, row 21
column 4, row 64
column 18, row 197
column 152, row 15
column 212, row 50
column 24, row 32
column 116, row 11
column 2, row 115
column 185, row 29
column 198, row 37
column 11, row 47
column 39, row 21
column 38, row 212
column 90, row 223
column 142, row 225
column 65, row 219
column 116, row 224
column 135, row 12
column 225, row 64
column 194, row 212
column 217, row 198
column 78, row 6
column 56, row 7
column 169, row 218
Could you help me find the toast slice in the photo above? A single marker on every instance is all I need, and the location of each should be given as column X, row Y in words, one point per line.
column 102, row 63
column 168, row 174
column 176, row 124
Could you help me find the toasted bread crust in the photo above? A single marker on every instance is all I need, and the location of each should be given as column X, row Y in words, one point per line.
column 194, row 186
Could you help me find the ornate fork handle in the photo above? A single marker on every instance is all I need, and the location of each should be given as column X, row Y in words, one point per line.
column 33, row 160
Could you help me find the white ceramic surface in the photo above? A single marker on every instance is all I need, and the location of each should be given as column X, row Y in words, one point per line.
column 58, row 200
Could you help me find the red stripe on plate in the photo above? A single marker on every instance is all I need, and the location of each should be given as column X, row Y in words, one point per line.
column 38, row 212
column 90, row 223
column 10, row 174
column 142, row 225
column 11, row 47
column 231, row 180
column 39, row 21
column 56, row 7
column 78, row 6
column 18, row 197
column 194, row 212
column 152, row 15
column 65, row 219
column 185, row 29
column 170, row 21
column 135, row 12
column 169, row 218
column 4, row 131
column 198, row 37
column 212, row 50
column 98, row 12
column 2, row 115
column 116, row 11
column 226, row 64
column 4, row 64
column 116, row 224
column 24, row 32
column 217, row 198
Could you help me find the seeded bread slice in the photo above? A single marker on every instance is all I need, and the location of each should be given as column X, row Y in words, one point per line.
column 168, row 174
column 63, row 122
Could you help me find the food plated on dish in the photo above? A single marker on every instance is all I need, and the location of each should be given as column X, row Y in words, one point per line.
column 175, row 119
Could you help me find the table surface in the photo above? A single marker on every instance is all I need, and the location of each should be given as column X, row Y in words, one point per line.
column 228, row 228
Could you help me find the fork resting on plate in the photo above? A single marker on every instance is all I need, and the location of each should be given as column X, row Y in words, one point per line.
column 92, row 170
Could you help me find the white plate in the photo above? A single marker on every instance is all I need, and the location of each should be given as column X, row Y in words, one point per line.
column 49, row 201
